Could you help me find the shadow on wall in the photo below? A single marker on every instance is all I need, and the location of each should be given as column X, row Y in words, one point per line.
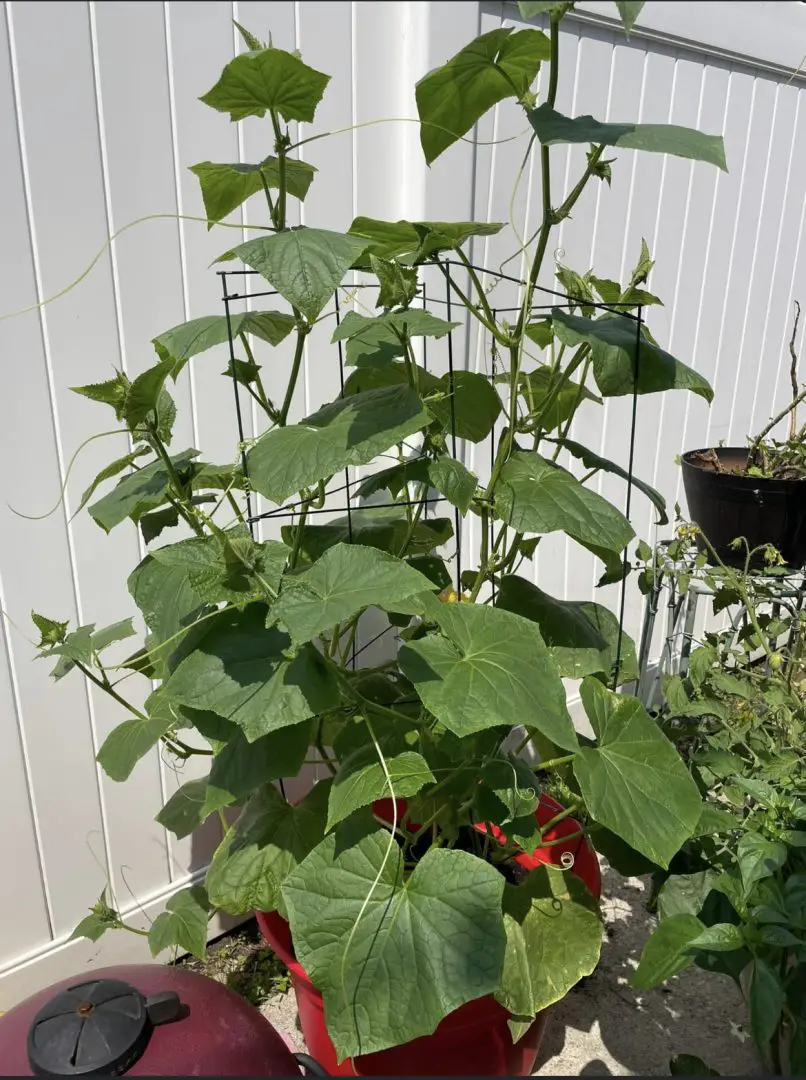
column 605, row 1028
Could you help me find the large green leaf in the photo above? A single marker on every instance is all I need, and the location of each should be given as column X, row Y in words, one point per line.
column 582, row 636
column 634, row 782
column 240, row 671
column 383, row 527
column 126, row 744
column 534, row 495
column 554, row 937
column 345, row 580
column 487, row 668
column 183, row 924
column 666, row 953
column 350, row 431
column 304, row 265
column 194, row 337
column 225, row 187
column 613, row 346
column 255, row 82
column 110, row 470
column 720, row 937
column 264, row 845
column 362, row 779
column 552, row 127
column 497, row 65
column 454, row 481
column 685, row 894
column 392, row 958
column 240, row 767
column 765, row 999
column 592, row 460
column 140, row 491
column 417, row 239
column 758, row 859
column 166, row 598
column 466, row 405
column 185, row 810
column 229, row 566
column 376, row 339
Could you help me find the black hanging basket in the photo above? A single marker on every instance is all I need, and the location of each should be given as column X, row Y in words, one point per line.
column 727, row 505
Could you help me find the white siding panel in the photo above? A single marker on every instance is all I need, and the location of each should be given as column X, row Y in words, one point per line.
column 38, row 560
column 99, row 120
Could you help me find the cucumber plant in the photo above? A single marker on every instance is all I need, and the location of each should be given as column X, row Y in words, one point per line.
column 249, row 642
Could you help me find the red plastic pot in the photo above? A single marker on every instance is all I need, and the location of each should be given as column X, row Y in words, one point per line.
column 474, row 1040
column 140, row 1020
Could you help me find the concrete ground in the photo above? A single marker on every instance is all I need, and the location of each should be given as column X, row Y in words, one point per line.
column 604, row 1028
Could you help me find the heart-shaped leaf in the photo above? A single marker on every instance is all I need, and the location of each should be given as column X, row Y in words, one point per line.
column 255, row 82
column 466, row 405
column 263, row 846
column 540, row 395
column 167, row 600
column 554, row 937
column 357, row 924
column 380, row 527
column 362, row 779
column 183, row 924
column 185, row 810
column 487, row 668
column 239, row 670
column 130, row 741
column 534, row 495
column 240, row 767
column 634, row 782
column 497, row 65
column 305, row 265
column 346, row 579
column 454, row 481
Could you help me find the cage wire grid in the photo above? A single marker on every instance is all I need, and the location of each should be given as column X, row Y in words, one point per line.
column 420, row 506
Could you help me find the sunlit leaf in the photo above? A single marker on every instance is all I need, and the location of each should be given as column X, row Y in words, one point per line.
column 552, row 127
column 497, row 65
column 255, row 82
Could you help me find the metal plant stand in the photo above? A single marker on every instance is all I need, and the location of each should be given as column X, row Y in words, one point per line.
column 780, row 591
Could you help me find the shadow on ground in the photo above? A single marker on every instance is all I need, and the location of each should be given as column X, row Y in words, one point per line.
column 604, row 1028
